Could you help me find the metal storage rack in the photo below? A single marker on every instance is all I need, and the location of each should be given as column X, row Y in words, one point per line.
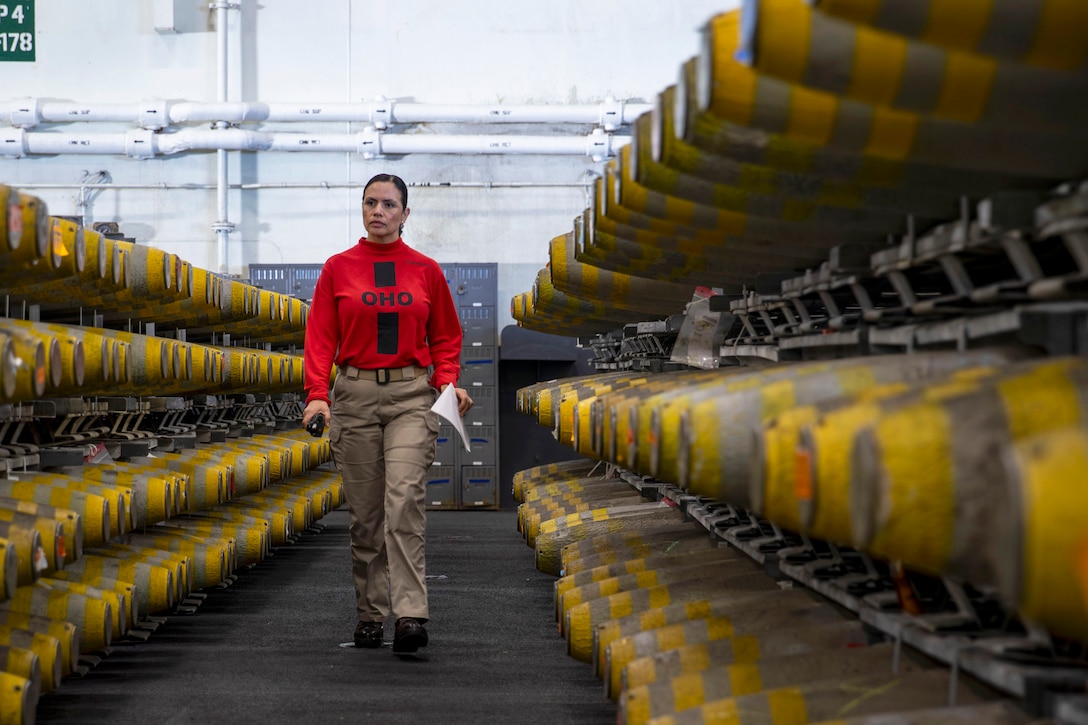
column 1011, row 272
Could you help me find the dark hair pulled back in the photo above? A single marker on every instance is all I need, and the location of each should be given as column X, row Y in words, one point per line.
column 395, row 181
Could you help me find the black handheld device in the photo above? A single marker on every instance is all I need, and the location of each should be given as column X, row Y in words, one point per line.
column 316, row 426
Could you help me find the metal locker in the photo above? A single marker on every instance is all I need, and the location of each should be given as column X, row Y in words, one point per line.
column 441, row 487
column 479, row 487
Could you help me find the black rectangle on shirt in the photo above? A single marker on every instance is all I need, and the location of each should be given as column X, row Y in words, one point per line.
column 388, row 333
column 385, row 274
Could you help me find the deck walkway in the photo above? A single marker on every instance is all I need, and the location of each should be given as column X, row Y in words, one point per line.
column 268, row 649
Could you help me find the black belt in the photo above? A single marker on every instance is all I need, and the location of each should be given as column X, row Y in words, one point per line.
column 382, row 375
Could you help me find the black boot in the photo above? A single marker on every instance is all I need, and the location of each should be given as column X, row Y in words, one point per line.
column 368, row 635
column 408, row 636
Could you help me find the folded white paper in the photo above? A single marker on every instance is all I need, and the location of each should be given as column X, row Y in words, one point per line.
column 446, row 406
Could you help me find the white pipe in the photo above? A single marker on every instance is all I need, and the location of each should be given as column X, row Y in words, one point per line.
column 370, row 142
column 82, row 206
column 347, row 126
column 597, row 145
column 314, row 185
column 156, row 114
column 30, row 112
column 221, row 50
column 222, row 226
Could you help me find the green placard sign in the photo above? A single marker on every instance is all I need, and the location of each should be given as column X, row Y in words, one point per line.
column 17, row 39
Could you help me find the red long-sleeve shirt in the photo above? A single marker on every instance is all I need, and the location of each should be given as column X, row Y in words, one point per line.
column 381, row 306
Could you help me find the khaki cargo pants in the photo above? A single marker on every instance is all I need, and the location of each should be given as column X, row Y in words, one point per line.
column 383, row 441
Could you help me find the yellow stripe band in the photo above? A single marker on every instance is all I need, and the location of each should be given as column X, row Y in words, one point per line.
column 966, row 89
column 744, row 679
column 735, row 93
column 893, row 133
column 687, row 692
column 812, row 115
column 877, row 72
column 745, row 649
column 787, row 706
column 1059, row 42
column 783, row 53
column 957, row 23
column 1041, row 400
column 917, row 523
column 1054, row 536
column 721, row 711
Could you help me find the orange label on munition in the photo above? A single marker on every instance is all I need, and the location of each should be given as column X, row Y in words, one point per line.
column 802, row 474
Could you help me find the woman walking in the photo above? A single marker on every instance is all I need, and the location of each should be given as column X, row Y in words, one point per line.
column 383, row 315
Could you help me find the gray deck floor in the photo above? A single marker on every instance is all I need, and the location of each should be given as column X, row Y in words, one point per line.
column 268, row 648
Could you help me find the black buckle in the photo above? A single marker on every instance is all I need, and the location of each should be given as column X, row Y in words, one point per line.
column 382, row 375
